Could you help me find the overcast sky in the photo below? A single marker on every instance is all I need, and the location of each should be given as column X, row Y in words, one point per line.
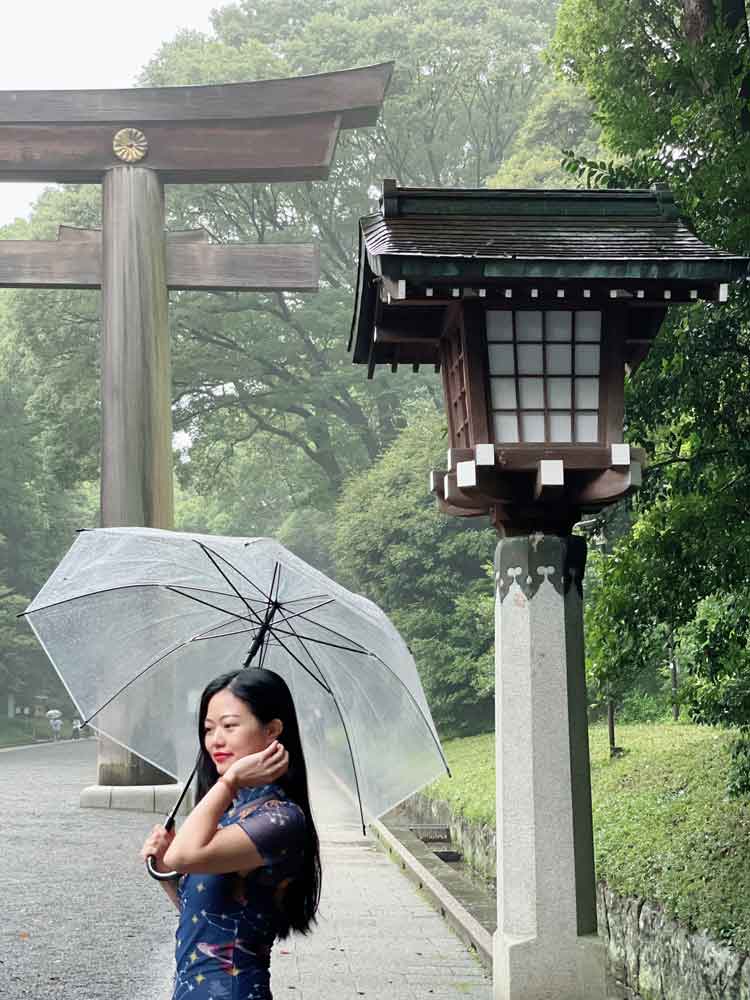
column 80, row 44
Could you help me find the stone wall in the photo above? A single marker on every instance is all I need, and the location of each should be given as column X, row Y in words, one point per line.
column 650, row 956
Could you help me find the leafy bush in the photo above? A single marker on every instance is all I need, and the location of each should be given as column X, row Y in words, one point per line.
column 715, row 649
column 738, row 781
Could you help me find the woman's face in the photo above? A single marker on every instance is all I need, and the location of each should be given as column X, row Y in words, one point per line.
column 232, row 731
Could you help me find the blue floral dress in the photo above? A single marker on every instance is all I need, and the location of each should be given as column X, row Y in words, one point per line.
column 228, row 922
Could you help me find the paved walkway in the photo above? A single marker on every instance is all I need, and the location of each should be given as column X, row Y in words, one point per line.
column 82, row 921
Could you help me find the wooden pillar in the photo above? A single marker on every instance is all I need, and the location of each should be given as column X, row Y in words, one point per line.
column 136, row 473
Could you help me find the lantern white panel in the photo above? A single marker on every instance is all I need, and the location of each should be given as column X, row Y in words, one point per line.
column 502, row 360
column 506, row 427
column 587, row 359
column 529, row 325
column 558, row 359
column 587, row 393
column 532, row 427
column 531, row 391
column 559, row 325
column 588, row 325
column 587, row 427
column 530, row 359
column 560, row 427
column 558, row 393
column 503, row 393
column 499, row 325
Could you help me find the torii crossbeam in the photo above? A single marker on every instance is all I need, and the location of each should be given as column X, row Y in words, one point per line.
column 133, row 142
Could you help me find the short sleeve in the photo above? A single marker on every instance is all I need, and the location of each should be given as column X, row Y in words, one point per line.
column 277, row 828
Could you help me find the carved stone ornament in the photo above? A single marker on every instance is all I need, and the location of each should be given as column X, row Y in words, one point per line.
column 130, row 145
column 530, row 560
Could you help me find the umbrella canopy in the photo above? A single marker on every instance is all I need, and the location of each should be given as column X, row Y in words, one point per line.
column 54, row 713
column 136, row 621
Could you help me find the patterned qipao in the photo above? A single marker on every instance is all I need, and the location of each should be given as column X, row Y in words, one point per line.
column 228, row 922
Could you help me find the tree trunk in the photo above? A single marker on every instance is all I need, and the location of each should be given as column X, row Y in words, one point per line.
column 674, row 675
column 611, row 727
column 697, row 18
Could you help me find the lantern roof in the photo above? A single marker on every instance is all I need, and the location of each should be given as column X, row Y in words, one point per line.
column 430, row 242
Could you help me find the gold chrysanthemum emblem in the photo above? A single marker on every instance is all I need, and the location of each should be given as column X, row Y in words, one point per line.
column 130, row 145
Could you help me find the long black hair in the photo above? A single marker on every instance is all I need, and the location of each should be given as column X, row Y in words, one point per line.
column 267, row 696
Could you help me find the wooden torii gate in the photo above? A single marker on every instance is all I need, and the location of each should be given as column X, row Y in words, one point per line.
column 134, row 142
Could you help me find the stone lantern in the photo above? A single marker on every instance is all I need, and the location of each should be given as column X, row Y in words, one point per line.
column 533, row 305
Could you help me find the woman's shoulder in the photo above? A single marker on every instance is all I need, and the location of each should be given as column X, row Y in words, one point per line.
column 268, row 799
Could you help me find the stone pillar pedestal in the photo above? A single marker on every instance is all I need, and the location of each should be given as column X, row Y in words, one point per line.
column 546, row 946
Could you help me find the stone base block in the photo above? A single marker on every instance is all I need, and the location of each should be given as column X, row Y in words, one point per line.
column 96, row 797
column 556, row 969
column 137, row 798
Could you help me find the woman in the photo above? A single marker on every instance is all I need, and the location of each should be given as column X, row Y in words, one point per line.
column 249, row 850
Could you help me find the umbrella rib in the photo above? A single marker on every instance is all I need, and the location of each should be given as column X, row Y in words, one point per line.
column 321, row 642
column 346, row 733
column 401, row 682
column 216, row 607
column 93, row 593
column 253, row 631
column 223, row 593
column 153, row 663
column 158, row 660
column 209, row 552
column 346, row 638
column 310, row 597
column 264, row 650
column 322, row 683
column 307, row 611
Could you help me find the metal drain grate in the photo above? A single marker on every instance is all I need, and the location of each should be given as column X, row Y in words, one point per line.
column 432, row 834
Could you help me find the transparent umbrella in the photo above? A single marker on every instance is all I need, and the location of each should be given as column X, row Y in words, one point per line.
column 136, row 621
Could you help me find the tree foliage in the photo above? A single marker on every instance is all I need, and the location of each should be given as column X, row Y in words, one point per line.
column 669, row 82
column 425, row 570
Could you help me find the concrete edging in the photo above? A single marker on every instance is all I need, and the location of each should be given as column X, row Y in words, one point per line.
column 463, row 923
column 136, row 798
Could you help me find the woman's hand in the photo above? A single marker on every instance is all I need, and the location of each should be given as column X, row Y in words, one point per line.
column 155, row 846
column 258, row 769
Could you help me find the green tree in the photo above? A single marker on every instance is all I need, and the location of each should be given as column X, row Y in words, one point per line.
column 669, row 82
column 272, row 369
column 429, row 572
column 559, row 119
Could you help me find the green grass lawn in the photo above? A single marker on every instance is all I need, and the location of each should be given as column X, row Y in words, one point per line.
column 664, row 828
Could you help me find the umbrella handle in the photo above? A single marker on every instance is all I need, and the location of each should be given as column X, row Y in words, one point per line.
column 160, row 876
column 168, row 825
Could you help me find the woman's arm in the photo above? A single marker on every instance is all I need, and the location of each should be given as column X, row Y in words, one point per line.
column 155, row 846
column 199, row 846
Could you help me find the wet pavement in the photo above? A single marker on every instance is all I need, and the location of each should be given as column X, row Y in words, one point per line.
column 81, row 920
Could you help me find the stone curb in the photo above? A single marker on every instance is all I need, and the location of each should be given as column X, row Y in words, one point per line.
column 136, row 798
column 457, row 916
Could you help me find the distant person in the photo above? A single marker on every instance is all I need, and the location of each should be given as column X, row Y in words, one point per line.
column 76, row 729
column 249, row 851
column 56, row 725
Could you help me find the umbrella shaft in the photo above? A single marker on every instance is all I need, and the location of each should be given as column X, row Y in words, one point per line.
column 257, row 641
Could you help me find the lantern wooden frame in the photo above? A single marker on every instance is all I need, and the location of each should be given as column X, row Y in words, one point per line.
column 435, row 263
